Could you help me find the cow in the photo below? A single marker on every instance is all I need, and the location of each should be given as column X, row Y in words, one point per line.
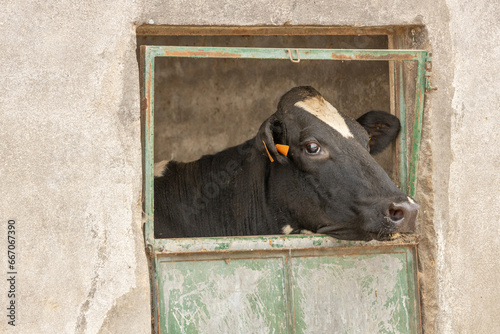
column 308, row 170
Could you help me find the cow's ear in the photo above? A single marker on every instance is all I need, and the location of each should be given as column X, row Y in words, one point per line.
column 382, row 128
column 272, row 132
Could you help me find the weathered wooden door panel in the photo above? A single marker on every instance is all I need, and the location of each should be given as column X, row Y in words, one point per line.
column 293, row 284
column 351, row 294
column 223, row 296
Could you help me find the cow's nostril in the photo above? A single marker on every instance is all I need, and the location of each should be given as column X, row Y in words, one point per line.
column 403, row 215
column 396, row 214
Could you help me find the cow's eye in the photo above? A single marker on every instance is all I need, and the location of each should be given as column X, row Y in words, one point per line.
column 313, row 148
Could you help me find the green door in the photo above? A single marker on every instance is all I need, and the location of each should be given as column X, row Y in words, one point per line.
column 286, row 284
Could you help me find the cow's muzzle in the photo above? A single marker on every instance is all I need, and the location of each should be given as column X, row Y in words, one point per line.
column 403, row 215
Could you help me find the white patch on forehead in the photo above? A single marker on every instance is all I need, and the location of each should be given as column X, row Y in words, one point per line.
column 411, row 201
column 287, row 229
column 322, row 109
column 160, row 167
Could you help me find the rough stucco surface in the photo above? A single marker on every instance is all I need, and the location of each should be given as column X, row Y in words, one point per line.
column 468, row 242
column 71, row 166
column 203, row 106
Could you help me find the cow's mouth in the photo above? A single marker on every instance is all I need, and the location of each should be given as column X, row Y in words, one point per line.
column 384, row 233
column 350, row 234
column 381, row 236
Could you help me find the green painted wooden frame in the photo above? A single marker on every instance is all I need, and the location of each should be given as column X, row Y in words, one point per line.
column 286, row 247
column 162, row 249
column 407, row 181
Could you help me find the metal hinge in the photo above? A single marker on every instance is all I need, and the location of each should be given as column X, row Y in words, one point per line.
column 428, row 72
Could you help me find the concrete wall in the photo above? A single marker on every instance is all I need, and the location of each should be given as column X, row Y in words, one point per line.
column 71, row 167
column 71, row 156
column 205, row 105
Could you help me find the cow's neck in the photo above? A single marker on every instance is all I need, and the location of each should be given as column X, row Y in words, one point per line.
column 232, row 192
column 252, row 186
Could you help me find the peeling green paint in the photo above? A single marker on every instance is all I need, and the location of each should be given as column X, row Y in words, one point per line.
column 350, row 288
column 222, row 246
column 334, row 292
column 217, row 296
column 317, row 242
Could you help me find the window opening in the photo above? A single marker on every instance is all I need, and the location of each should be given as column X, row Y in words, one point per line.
column 407, row 180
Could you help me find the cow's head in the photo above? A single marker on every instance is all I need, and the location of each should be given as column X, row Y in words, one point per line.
column 328, row 182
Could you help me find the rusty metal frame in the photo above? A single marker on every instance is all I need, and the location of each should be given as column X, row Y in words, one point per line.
column 162, row 247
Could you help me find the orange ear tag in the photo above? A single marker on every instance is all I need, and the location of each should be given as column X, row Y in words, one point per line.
column 269, row 154
column 283, row 149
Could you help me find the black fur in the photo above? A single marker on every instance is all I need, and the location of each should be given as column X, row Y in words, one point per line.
column 382, row 128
